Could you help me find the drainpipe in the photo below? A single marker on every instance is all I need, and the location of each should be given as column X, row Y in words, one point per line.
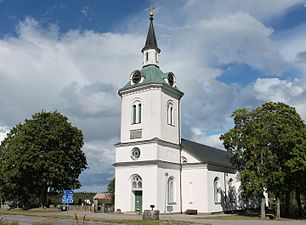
column 225, row 192
column 180, row 144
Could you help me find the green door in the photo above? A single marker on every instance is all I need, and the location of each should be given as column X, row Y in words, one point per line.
column 138, row 201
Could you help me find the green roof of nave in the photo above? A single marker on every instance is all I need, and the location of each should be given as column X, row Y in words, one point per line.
column 151, row 74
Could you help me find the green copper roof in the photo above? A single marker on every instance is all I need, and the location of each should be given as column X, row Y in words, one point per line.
column 151, row 74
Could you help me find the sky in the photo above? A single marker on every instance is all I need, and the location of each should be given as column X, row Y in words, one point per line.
column 73, row 56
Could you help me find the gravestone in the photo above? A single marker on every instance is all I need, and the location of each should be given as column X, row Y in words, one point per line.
column 150, row 215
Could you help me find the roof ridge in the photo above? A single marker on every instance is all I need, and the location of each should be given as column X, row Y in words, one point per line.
column 204, row 145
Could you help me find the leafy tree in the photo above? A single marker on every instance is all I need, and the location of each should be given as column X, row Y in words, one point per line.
column 297, row 169
column 111, row 188
column 42, row 154
column 262, row 142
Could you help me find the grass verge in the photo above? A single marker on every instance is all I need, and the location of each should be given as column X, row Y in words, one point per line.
column 75, row 218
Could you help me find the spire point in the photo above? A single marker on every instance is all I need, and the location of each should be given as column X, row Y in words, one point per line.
column 151, row 42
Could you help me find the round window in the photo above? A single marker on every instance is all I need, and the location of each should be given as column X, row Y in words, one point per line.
column 171, row 79
column 135, row 154
column 136, row 77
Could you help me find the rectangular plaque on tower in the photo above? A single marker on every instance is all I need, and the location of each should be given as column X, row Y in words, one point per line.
column 134, row 134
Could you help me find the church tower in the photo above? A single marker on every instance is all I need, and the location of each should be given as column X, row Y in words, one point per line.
column 147, row 167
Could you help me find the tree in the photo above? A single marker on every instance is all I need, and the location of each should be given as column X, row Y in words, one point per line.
column 297, row 169
column 42, row 154
column 111, row 189
column 261, row 144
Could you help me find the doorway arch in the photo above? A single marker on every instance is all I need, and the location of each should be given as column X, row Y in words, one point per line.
column 136, row 192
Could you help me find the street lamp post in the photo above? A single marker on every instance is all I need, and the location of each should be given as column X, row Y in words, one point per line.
column 166, row 187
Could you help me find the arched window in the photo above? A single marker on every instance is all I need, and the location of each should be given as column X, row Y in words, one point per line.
column 171, row 190
column 147, row 56
column 230, row 183
column 136, row 112
column 170, row 110
column 231, row 191
column 136, row 182
column 217, row 190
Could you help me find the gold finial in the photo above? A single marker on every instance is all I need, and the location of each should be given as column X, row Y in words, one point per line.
column 151, row 11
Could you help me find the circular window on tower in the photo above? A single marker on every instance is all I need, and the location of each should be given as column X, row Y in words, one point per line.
column 135, row 153
column 171, row 79
column 136, row 77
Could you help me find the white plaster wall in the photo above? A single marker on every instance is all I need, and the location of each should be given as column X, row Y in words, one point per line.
column 194, row 183
column 212, row 206
column 152, row 57
column 168, row 154
column 123, row 199
column 154, row 187
column 162, row 185
column 153, row 118
column 170, row 132
column 147, row 152
column 224, row 179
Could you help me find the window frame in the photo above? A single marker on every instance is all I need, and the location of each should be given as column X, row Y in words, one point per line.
column 217, row 190
column 171, row 190
column 170, row 113
column 136, row 112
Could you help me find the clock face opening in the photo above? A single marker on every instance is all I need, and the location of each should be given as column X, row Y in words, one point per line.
column 171, row 79
column 136, row 77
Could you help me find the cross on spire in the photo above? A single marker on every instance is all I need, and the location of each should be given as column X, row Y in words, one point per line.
column 151, row 11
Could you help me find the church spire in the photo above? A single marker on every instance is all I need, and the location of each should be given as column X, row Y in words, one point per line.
column 151, row 50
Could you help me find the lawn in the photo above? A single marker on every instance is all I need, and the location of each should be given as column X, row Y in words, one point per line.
column 81, row 220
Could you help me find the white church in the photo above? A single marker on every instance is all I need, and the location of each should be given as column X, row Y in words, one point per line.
column 154, row 165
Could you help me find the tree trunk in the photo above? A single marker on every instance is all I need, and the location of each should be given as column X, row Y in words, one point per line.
column 44, row 196
column 263, row 208
column 287, row 204
column 298, row 202
column 277, row 205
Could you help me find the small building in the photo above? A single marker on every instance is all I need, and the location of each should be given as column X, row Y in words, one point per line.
column 103, row 202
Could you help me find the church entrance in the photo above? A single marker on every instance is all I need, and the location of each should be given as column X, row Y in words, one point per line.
column 136, row 193
column 138, row 201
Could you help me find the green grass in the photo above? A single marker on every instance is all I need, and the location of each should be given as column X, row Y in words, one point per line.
column 7, row 223
column 239, row 217
column 230, row 217
column 82, row 220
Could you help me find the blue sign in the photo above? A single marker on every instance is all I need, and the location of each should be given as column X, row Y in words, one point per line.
column 67, row 197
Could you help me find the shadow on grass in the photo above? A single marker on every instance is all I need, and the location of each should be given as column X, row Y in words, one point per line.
column 248, row 215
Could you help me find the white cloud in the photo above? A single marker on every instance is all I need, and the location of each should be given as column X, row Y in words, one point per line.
column 210, row 140
column 291, row 92
column 292, row 46
column 77, row 73
column 3, row 132
column 100, row 157
column 274, row 89
column 260, row 9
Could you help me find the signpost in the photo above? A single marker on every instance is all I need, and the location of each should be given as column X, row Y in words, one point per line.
column 67, row 198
